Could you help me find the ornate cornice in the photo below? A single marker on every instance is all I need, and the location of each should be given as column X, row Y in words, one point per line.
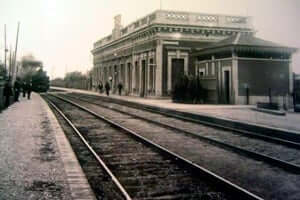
column 173, row 17
column 153, row 30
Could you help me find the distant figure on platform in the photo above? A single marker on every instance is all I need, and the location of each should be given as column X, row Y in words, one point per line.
column 17, row 89
column 107, row 88
column 23, row 88
column 100, row 87
column 120, row 87
column 29, row 89
column 7, row 92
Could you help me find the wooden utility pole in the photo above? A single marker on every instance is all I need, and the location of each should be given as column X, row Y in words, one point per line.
column 10, row 63
column 5, row 49
column 15, row 54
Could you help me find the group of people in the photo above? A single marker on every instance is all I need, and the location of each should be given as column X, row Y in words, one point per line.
column 107, row 87
column 19, row 86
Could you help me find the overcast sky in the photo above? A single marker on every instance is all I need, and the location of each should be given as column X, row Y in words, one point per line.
column 61, row 33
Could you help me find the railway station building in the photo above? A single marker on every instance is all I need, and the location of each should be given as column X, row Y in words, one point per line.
column 149, row 54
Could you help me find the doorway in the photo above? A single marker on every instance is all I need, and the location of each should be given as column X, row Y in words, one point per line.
column 177, row 71
column 129, row 75
column 143, row 79
column 226, row 86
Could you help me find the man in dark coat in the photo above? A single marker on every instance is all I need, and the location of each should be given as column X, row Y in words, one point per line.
column 100, row 87
column 29, row 89
column 24, row 88
column 107, row 88
column 17, row 89
column 7, row 93
column 120, row 87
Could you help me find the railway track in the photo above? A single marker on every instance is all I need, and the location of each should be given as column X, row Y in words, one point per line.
column 274, row 135
column 278, row 152
column 140, row 168
column 268, row 151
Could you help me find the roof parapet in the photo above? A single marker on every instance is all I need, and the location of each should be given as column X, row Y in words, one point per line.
column 181, row 18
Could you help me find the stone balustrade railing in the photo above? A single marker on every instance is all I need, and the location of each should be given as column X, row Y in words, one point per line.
column 183, row 18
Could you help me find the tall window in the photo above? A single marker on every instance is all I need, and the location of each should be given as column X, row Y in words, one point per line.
column 122, row 74
column 151, row 74
column 129, row 77
column 137, row 76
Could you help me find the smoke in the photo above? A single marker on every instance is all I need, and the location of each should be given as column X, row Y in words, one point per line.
column 29, row 61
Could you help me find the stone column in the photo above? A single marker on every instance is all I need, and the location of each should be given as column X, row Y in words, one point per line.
column 159, row 66
column 140, row 73
column 148, row 72
column 213, row 68
column 186, row 65
column 133, row 72
column 219, row 82
column 169, row 73
column 235, row 80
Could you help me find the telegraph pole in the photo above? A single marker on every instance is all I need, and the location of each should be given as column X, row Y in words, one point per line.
column 15, row 56
column 10, row 62
column 5, row 49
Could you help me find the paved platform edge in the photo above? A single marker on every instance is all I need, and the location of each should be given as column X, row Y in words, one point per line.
column 225, row 122
column 79, row 186
column 272, row 112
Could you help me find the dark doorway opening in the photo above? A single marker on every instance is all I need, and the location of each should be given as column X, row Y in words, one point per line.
column 143, row 79
column 129, row 75
column 137, row 77
column 227, row 86
column 177, row 71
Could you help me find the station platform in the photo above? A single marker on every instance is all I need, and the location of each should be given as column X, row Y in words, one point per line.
column 241, row 114
column 37, row 161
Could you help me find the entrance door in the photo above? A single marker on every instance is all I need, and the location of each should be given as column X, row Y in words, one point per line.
column 129, row 75
column 143, row 79
column 177, row 71
column 227, row 86
column 115, row 79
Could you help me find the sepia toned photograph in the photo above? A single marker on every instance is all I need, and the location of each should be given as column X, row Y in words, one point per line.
column 149, row 100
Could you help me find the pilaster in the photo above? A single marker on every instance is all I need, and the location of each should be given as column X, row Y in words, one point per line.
column 159, row 66
column 235, row 77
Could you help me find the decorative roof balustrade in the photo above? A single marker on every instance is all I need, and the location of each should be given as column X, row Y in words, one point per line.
column 182, row 18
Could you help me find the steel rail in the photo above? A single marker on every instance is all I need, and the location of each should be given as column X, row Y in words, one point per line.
column 226, row 184
column 275, row 139
column 258, row 156
column 101, row 162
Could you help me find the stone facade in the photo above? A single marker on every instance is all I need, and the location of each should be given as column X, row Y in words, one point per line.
column 151, row 52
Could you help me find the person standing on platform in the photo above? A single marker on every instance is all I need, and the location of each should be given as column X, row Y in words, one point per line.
column 17, row 89
column 107, row 88
column 100, row 87
column 120, row 87
column 24, row 88
column 7, row 93
column 28, row 89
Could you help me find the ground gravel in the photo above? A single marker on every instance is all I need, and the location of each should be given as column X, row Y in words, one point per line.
column 30, row 163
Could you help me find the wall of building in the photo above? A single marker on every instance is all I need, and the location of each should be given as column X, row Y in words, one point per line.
column 186, row 31
column 260, row 75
